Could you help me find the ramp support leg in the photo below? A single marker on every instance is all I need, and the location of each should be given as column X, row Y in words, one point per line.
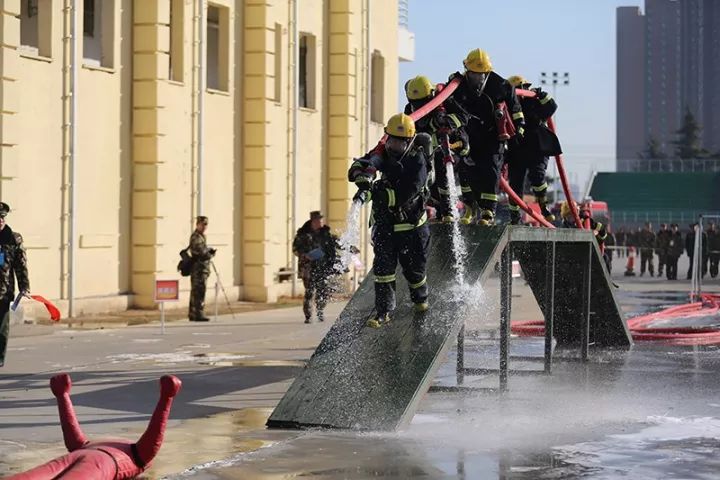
column 586, row 299
column 549, row 303
column 505, row 301
column 460, row 366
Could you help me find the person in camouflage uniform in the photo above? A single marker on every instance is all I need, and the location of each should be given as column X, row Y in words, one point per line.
column 646, row 242
column 202, row 257
column 13, row 262
column 316, row 248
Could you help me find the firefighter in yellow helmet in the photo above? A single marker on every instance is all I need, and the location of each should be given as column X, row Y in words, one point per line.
column 568, row 221
column 529, row 155
column 400, row 230
column 482, row 97
column 449, row 142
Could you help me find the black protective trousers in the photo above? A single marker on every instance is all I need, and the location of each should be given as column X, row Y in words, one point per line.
column 410, row 249
column 484, row 170
column 522, row 162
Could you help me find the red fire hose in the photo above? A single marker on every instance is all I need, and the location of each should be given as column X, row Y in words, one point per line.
column 641, row 331
column 443, row 95
column 560, row 165
column 519, row 202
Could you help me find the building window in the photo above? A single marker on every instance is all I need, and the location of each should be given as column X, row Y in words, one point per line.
column 99, row 32
column 218, row 47
column 306, row 67
column 89, row 18
column 36, row 27
column 277, row 94
column 177, row 25
column 377, row 88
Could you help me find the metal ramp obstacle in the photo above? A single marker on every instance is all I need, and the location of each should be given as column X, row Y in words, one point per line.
column 373, row 379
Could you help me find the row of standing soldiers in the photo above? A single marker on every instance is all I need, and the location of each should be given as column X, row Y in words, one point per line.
column 669, row 245
column 479, row 128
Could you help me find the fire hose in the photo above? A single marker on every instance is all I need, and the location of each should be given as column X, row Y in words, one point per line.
column 560, row 165
column 641, row 329
column 443, row 95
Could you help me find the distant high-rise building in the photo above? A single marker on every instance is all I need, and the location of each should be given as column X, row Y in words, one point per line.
column 675, row 48
column 630, row 85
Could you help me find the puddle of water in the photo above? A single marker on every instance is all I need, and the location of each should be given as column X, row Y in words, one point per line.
column 255, row 363
column 192, row 442
column 205, row 440
column 180, row 356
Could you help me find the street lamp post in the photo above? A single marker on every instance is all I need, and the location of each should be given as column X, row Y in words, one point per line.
column 555, row 80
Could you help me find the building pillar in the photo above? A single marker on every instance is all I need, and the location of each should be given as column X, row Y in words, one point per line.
column 150, row 207
column 9, row 95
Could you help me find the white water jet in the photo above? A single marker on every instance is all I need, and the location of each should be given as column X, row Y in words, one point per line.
column 458, row 242
column 351, row 236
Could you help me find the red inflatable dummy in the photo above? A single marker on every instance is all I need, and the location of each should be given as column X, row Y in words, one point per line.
column 112, row 460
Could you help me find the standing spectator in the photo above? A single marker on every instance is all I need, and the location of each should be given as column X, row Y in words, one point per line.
column 202, row 256
column 713, row 236
column 316, row 247
column 661, row 247
column 610, row 242
column 690, row 250
column 620, row 238
column 674, row 250
column 13, row 265
column 646, row 242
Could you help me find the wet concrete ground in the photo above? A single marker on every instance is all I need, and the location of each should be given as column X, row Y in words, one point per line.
column 651, row 412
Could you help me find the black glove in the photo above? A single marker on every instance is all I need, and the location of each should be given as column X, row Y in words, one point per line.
column 362, row 196
column 540, row 94
column 212, row 251
column 455, row 75
column 379, row 192
column 441, row 121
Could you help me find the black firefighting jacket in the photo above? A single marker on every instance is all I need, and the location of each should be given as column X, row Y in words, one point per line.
column 478, row 105
column 399, row 196
column 538, row 110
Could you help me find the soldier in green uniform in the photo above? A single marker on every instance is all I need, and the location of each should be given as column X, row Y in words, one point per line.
column 13, row 261
column 202, row 256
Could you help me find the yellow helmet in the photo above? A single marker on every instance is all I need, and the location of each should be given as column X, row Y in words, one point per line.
column 418, row 88
column 478, row 61
column 565, row 210
column 401, row 125
column 517, row 81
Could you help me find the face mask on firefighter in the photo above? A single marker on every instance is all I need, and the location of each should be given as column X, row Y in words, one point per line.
column 396, row 146
column 476, row 79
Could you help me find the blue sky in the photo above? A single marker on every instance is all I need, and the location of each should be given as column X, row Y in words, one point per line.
column 529, row 37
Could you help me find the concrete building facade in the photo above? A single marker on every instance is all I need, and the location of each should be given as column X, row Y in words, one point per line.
column 681, row 67
column 114, row 138
column 630, row 89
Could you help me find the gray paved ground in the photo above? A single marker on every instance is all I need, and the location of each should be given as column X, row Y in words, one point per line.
column 233, row 372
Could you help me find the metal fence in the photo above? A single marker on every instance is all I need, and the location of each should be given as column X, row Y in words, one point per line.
column 635, row 218
column 671, row 165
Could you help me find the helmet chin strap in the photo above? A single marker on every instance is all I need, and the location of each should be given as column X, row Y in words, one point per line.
column 481, row 89
column 407, row 149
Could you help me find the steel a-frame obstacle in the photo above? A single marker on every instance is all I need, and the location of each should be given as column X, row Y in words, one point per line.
column 368, row 379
